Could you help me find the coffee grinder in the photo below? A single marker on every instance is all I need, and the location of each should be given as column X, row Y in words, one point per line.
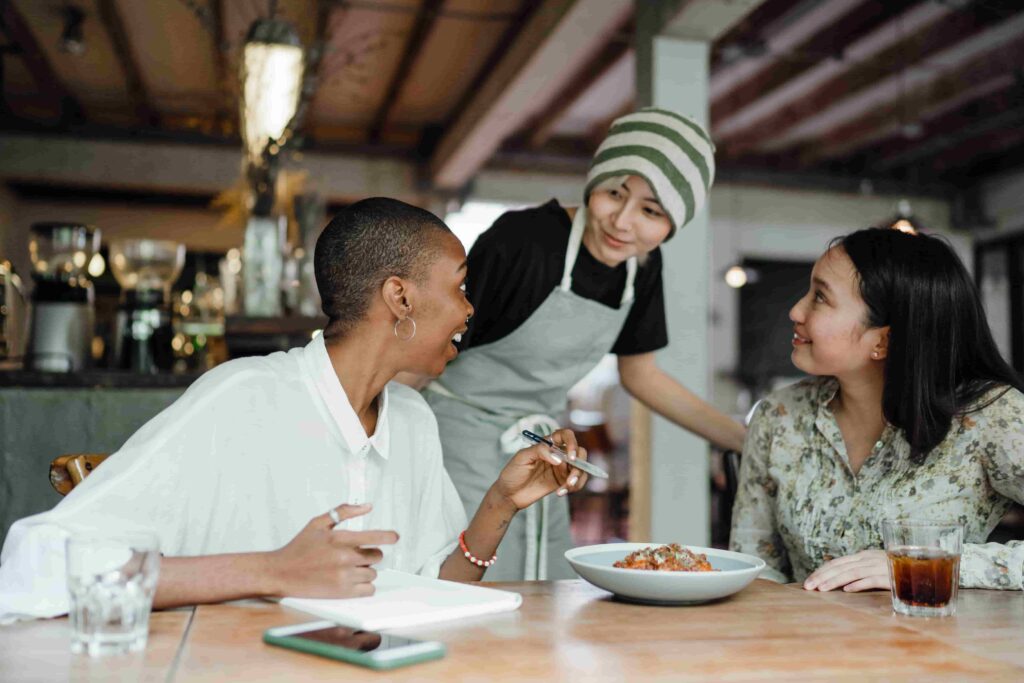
column 61, row 333
column 145, row 269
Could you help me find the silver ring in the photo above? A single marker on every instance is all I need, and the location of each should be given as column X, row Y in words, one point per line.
column 333, row 512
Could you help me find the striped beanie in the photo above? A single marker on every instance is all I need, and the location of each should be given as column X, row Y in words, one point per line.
column 671, row 152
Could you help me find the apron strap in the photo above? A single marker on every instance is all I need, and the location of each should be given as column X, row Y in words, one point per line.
column 579, row 226
column 627, row 291
column 536, row 556
column 438, row 388
column 535, row 561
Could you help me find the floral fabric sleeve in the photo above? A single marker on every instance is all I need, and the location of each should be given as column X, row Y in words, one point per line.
column 992, row 565
column 753, row 513
column 1001, row 447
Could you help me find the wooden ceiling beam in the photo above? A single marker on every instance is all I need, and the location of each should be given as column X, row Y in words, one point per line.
column 888, row 126
column 946, row 44
column 557, row 39
column 31, row 53
column 227, row 111
column 785, row 60
column 173, row 166
column 113, row 22
column 543, row 126
column 774, row 176
column 507, row 39
column 328, row 13
column 979, row 87
column 977, row 153
column 704, row 20
column 808, row 84
column 1010, row 121
column 599, row 131
column 749, row 30
column 796, row 27
column 1008, row 156
column 426, row 18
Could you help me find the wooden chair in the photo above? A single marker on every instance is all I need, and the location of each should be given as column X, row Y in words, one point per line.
column 731, row 462
column 68, row 471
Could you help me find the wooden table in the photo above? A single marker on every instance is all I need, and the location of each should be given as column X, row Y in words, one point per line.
column 569, row 630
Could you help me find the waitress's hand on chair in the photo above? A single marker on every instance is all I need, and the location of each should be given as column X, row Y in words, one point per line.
column 534, row 472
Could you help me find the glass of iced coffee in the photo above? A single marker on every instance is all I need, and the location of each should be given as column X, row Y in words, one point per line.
column 924, row 566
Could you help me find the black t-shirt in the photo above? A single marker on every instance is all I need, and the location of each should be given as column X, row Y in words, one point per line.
column 516, row 264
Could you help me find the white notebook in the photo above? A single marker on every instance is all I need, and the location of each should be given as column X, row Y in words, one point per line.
column 404, row 600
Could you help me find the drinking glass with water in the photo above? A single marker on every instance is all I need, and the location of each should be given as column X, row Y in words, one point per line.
column 111, row 580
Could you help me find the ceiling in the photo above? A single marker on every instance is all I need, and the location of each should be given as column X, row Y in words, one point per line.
column 918, row 93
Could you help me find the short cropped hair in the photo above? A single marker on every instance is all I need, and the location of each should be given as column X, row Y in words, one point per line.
column 365, row 244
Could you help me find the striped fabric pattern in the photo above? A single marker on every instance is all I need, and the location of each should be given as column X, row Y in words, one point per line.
column 671, row 152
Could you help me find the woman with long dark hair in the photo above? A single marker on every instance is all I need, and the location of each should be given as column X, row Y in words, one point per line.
column 911, row 412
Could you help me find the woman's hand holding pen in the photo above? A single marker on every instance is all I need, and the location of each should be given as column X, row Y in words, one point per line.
column 534, row 472
column 531, row 474
column 321, row 562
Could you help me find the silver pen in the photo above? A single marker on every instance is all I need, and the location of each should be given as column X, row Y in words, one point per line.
column 580, row 464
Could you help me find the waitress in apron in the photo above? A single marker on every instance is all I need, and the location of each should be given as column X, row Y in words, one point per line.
column 553, row 294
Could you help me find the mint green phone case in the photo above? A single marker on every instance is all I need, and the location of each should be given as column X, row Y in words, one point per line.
column 345, row 654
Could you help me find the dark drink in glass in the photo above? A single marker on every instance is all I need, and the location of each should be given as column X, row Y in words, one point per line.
column 924, row 566
column 924, row 577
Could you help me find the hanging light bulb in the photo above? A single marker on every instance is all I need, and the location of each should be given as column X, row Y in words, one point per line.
column 736, row 277
column 903, row 220
column 904, row 225
column 912, row 130
column 97, row 265
column 72, row 38
column 271, row 75
column 740, row 275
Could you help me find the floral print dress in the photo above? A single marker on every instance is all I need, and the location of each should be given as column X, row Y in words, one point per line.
column 800, row 505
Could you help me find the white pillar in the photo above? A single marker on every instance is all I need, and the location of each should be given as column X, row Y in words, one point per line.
column 674, row 74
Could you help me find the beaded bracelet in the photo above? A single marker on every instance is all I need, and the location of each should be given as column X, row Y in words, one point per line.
column 472, row 558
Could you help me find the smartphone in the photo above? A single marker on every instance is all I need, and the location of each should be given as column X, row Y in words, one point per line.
column 366, row 648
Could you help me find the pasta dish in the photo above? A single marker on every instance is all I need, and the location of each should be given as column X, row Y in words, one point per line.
column 666, row 558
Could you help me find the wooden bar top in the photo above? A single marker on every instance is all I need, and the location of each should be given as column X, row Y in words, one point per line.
column 569, row 630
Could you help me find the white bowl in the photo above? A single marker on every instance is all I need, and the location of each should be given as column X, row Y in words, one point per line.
column 735, row 572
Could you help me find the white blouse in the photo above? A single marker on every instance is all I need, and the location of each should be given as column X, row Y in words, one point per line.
column 240, row 463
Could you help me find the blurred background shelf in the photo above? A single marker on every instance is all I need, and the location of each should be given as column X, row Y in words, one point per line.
column 94, row 379
column 250, row 336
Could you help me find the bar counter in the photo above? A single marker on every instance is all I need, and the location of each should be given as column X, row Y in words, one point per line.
column 44, row 415
column 96, row 379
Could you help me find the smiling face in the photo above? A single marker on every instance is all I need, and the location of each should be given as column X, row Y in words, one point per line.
column 440, row 309
column 830, row 332
column 623, row 221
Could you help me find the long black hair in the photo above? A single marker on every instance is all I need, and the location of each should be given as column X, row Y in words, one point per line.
column 942, row 359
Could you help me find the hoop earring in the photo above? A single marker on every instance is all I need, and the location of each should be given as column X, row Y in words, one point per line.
column 399, row 322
